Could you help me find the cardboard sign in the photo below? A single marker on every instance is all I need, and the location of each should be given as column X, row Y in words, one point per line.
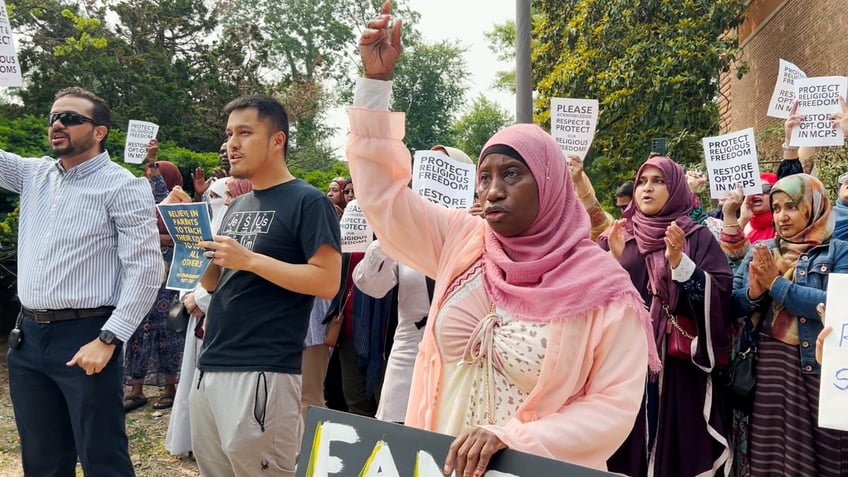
column 10, row 69
column 342, row 444
column 818, row 99
column 833, row 391
column 573, row 124
column 784, row 90
column 443, row 180
column 187, row 224
column 356, row 233
column 139, row 134
column 732, row 159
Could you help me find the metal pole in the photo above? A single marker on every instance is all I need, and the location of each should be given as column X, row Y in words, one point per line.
column 523, row 68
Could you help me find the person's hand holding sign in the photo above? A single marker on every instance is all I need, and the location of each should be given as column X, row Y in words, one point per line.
column 793, row 121
column 470, row 453
column 228, row 253
column 840, row 119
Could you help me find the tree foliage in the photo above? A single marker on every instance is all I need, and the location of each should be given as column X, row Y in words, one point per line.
column 474, row 128
column 429, row 86
column 502, row 42
column 154, row 62
column 652, row 64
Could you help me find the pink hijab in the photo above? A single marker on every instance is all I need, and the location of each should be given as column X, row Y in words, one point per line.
column 552, row 271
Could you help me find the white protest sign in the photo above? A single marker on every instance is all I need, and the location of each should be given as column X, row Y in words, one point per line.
column 833, row 391
column 732, row 159
column 573, row 124
column 818, row 98
column 10, row 70
column 784, row 90
column 443, row 180
column 139, row 134
column 356, row 233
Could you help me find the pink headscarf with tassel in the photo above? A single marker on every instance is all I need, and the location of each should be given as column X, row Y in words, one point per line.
column 552, row 271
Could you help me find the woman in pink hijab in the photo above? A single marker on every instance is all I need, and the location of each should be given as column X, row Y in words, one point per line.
column 536, row 340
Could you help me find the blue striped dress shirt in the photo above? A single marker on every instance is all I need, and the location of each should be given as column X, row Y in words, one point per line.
column 87, row 238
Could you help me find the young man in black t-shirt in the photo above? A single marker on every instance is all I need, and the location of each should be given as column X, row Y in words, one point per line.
column 278, row 248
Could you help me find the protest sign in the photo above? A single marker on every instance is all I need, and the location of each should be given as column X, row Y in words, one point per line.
column 187, row 224
column 10, row 69
column 573, row 124
column 818, row 98
column 443, row 179
column 342, row 444
column 784, row 90
column 356, row 233
column 732, row 159
column 139, row 134
column 833, row 391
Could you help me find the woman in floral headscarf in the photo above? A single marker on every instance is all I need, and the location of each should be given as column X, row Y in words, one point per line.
column 779, row 283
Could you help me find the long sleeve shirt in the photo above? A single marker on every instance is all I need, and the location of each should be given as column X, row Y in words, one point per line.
column 87, row 238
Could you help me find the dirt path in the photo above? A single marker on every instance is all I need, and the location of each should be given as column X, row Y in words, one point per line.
column 146, row 429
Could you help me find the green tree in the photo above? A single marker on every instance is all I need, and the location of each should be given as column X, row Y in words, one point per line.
column 474, row 128
column 652, row 64
column 502, row 39
column 429, row 86
column 155, row 62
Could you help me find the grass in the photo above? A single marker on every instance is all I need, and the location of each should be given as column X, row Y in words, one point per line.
column 146, row 428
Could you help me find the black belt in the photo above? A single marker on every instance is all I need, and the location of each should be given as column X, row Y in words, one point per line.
column 50, row 316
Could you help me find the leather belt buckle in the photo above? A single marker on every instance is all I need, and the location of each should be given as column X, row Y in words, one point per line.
column 42, row 316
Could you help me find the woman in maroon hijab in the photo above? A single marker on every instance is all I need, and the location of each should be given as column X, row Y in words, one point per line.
column 682, row 274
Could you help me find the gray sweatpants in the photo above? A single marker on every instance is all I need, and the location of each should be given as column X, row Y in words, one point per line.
column 245, row 424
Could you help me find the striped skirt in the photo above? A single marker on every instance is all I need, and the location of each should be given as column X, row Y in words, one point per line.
column 785, row 439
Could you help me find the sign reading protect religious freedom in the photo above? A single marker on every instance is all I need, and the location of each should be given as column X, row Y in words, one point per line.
column 784, row 90
column 833, row 392
column 10, row 69
column 139, row 134
column 187, row 224
column 340, row 444
column 573, row 124
column 818, row 99
column 732, row 159
column 443, row 179
column 356, row 233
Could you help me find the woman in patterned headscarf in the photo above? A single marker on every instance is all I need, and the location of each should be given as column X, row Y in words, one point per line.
column 779, row 284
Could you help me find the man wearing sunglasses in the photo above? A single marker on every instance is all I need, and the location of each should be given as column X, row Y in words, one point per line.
column 89, row 268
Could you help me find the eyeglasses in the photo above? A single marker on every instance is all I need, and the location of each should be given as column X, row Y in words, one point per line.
column 68, row 119
column 348, row 192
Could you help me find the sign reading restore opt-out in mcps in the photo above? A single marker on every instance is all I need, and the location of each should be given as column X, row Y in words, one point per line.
column 731, row 160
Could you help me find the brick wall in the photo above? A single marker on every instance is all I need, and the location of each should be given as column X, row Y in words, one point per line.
column 813, row 34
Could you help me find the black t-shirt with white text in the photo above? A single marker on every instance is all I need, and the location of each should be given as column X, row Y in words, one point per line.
column 253, row 324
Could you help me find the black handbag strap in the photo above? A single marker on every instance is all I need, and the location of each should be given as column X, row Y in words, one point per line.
column 431, row 288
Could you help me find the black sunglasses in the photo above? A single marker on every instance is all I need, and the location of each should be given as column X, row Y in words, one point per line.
column 68, row 119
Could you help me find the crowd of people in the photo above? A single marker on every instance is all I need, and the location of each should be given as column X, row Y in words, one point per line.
column 534, row 321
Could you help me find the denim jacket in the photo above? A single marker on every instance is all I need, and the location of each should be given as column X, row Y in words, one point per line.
column 799, row 298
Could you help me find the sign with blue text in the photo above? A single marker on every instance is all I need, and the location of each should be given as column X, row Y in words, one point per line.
column 833, row 391
column 187, row 224
column 346, row 445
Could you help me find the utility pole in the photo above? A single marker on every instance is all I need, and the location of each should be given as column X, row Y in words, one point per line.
column 523, row 68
